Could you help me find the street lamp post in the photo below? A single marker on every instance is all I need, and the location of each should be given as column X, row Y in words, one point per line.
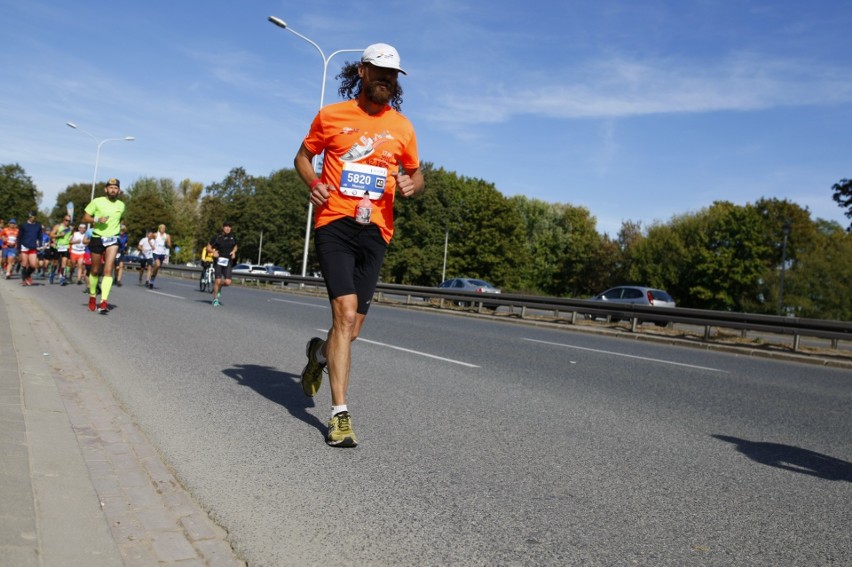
column 785, row 230
column 325, row 60
column 98, row 153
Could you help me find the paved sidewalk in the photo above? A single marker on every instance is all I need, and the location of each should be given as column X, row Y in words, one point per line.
column 80, row 484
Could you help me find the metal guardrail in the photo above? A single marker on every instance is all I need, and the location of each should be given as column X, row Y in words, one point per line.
column 797, row 327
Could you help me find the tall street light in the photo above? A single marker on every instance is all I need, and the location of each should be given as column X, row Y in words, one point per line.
column 283, row 25
column 785, row 230
column 98, row 154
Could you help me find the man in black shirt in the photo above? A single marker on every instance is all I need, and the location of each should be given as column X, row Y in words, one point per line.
column 223, row 247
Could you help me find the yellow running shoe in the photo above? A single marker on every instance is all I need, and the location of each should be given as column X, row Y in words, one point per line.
column 340, row 432
column 312, row 374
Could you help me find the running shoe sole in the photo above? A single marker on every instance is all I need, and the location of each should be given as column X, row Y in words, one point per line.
column 340, row 432
column 311, row 377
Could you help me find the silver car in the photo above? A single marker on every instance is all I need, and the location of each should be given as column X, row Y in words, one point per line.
column 636, row 295
column 470, row 284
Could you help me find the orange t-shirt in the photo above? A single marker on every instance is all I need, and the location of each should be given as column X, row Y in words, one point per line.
column 354, row 141
column 9, row 236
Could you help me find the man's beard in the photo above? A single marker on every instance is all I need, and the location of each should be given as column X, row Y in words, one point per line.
column 377, row 95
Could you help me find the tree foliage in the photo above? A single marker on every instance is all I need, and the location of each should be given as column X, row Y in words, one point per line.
column 726, row 256
column 18, row 193
column 842, row 195
column 79, row 195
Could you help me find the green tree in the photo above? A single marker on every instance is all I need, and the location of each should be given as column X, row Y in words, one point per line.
column 278, row 212
column 421, row 224
column 661, row 259
column 819, row 284
column 150, row 202
column 18, row 193
column 78, row 194
column 726, row 256
column 579, row 273
column 231, row 199
column 842, row 195
column 186, row 220
column 545, row 243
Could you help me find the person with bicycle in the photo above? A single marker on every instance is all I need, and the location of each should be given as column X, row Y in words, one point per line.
column 223, row 247
column 206, row 263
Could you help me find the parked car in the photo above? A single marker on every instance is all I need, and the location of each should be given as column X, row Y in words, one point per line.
column 134, row 259
column 636, row 295
column 276, row 270
column 471, row 284
column 258, row 269
column 246, row 269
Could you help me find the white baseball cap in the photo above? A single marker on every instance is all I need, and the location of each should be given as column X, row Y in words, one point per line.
column 382, row 55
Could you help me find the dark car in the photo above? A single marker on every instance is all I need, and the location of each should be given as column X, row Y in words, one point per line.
column 133, row 259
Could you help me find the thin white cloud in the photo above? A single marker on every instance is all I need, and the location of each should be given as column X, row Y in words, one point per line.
column 621, row 88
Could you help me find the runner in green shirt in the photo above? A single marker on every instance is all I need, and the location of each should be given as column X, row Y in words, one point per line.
column 105, row 214
column 62, row 234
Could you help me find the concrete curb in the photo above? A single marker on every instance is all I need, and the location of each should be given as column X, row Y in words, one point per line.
column 80, row 483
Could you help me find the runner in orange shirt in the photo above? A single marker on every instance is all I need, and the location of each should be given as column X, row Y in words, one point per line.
column 370, row 157
column 9, row 236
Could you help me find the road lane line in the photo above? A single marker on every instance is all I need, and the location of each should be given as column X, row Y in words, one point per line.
column 420, row 353
column 299, row 303
column 626, row 355
column 166, row 294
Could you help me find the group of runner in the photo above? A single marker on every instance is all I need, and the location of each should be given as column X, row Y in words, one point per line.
column 93, row 254
column 60, row 255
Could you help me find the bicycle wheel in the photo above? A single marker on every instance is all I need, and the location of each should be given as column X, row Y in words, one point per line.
column 202, row 283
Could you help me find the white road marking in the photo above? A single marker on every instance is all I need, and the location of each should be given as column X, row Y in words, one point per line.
column 626, row 355
column 426, row 354
column 420, row 353
column 299, row 303
column 166, row 294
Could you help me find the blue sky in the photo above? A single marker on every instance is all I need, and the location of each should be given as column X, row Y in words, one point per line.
column 637, row 110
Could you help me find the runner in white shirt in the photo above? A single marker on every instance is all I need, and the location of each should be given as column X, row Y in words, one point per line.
column 146, row 248
column 162, row 243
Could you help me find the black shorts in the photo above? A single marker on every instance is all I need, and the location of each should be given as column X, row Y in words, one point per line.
column 223, row 272
column 96, row 245
column 350, row 257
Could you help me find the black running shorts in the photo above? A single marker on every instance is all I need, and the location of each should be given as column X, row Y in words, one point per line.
column 350, row 257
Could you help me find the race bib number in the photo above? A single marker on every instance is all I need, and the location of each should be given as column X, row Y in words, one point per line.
column 223, row 261
column 60, row 248
column 109, row 240
column 358, row 178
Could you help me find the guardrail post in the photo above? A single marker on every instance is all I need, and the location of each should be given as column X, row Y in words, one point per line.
column 573, row 317
column 633, row 322
column 524, row 312
column 835, row 343
column 796, row 338
column 707, row 332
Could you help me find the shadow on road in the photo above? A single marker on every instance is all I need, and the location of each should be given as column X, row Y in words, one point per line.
column 793, row 459
column 282, row 388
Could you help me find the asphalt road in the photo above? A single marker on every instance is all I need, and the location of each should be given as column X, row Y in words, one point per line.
column 481, row 442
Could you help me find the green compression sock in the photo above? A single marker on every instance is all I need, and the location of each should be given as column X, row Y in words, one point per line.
column 106, row 285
